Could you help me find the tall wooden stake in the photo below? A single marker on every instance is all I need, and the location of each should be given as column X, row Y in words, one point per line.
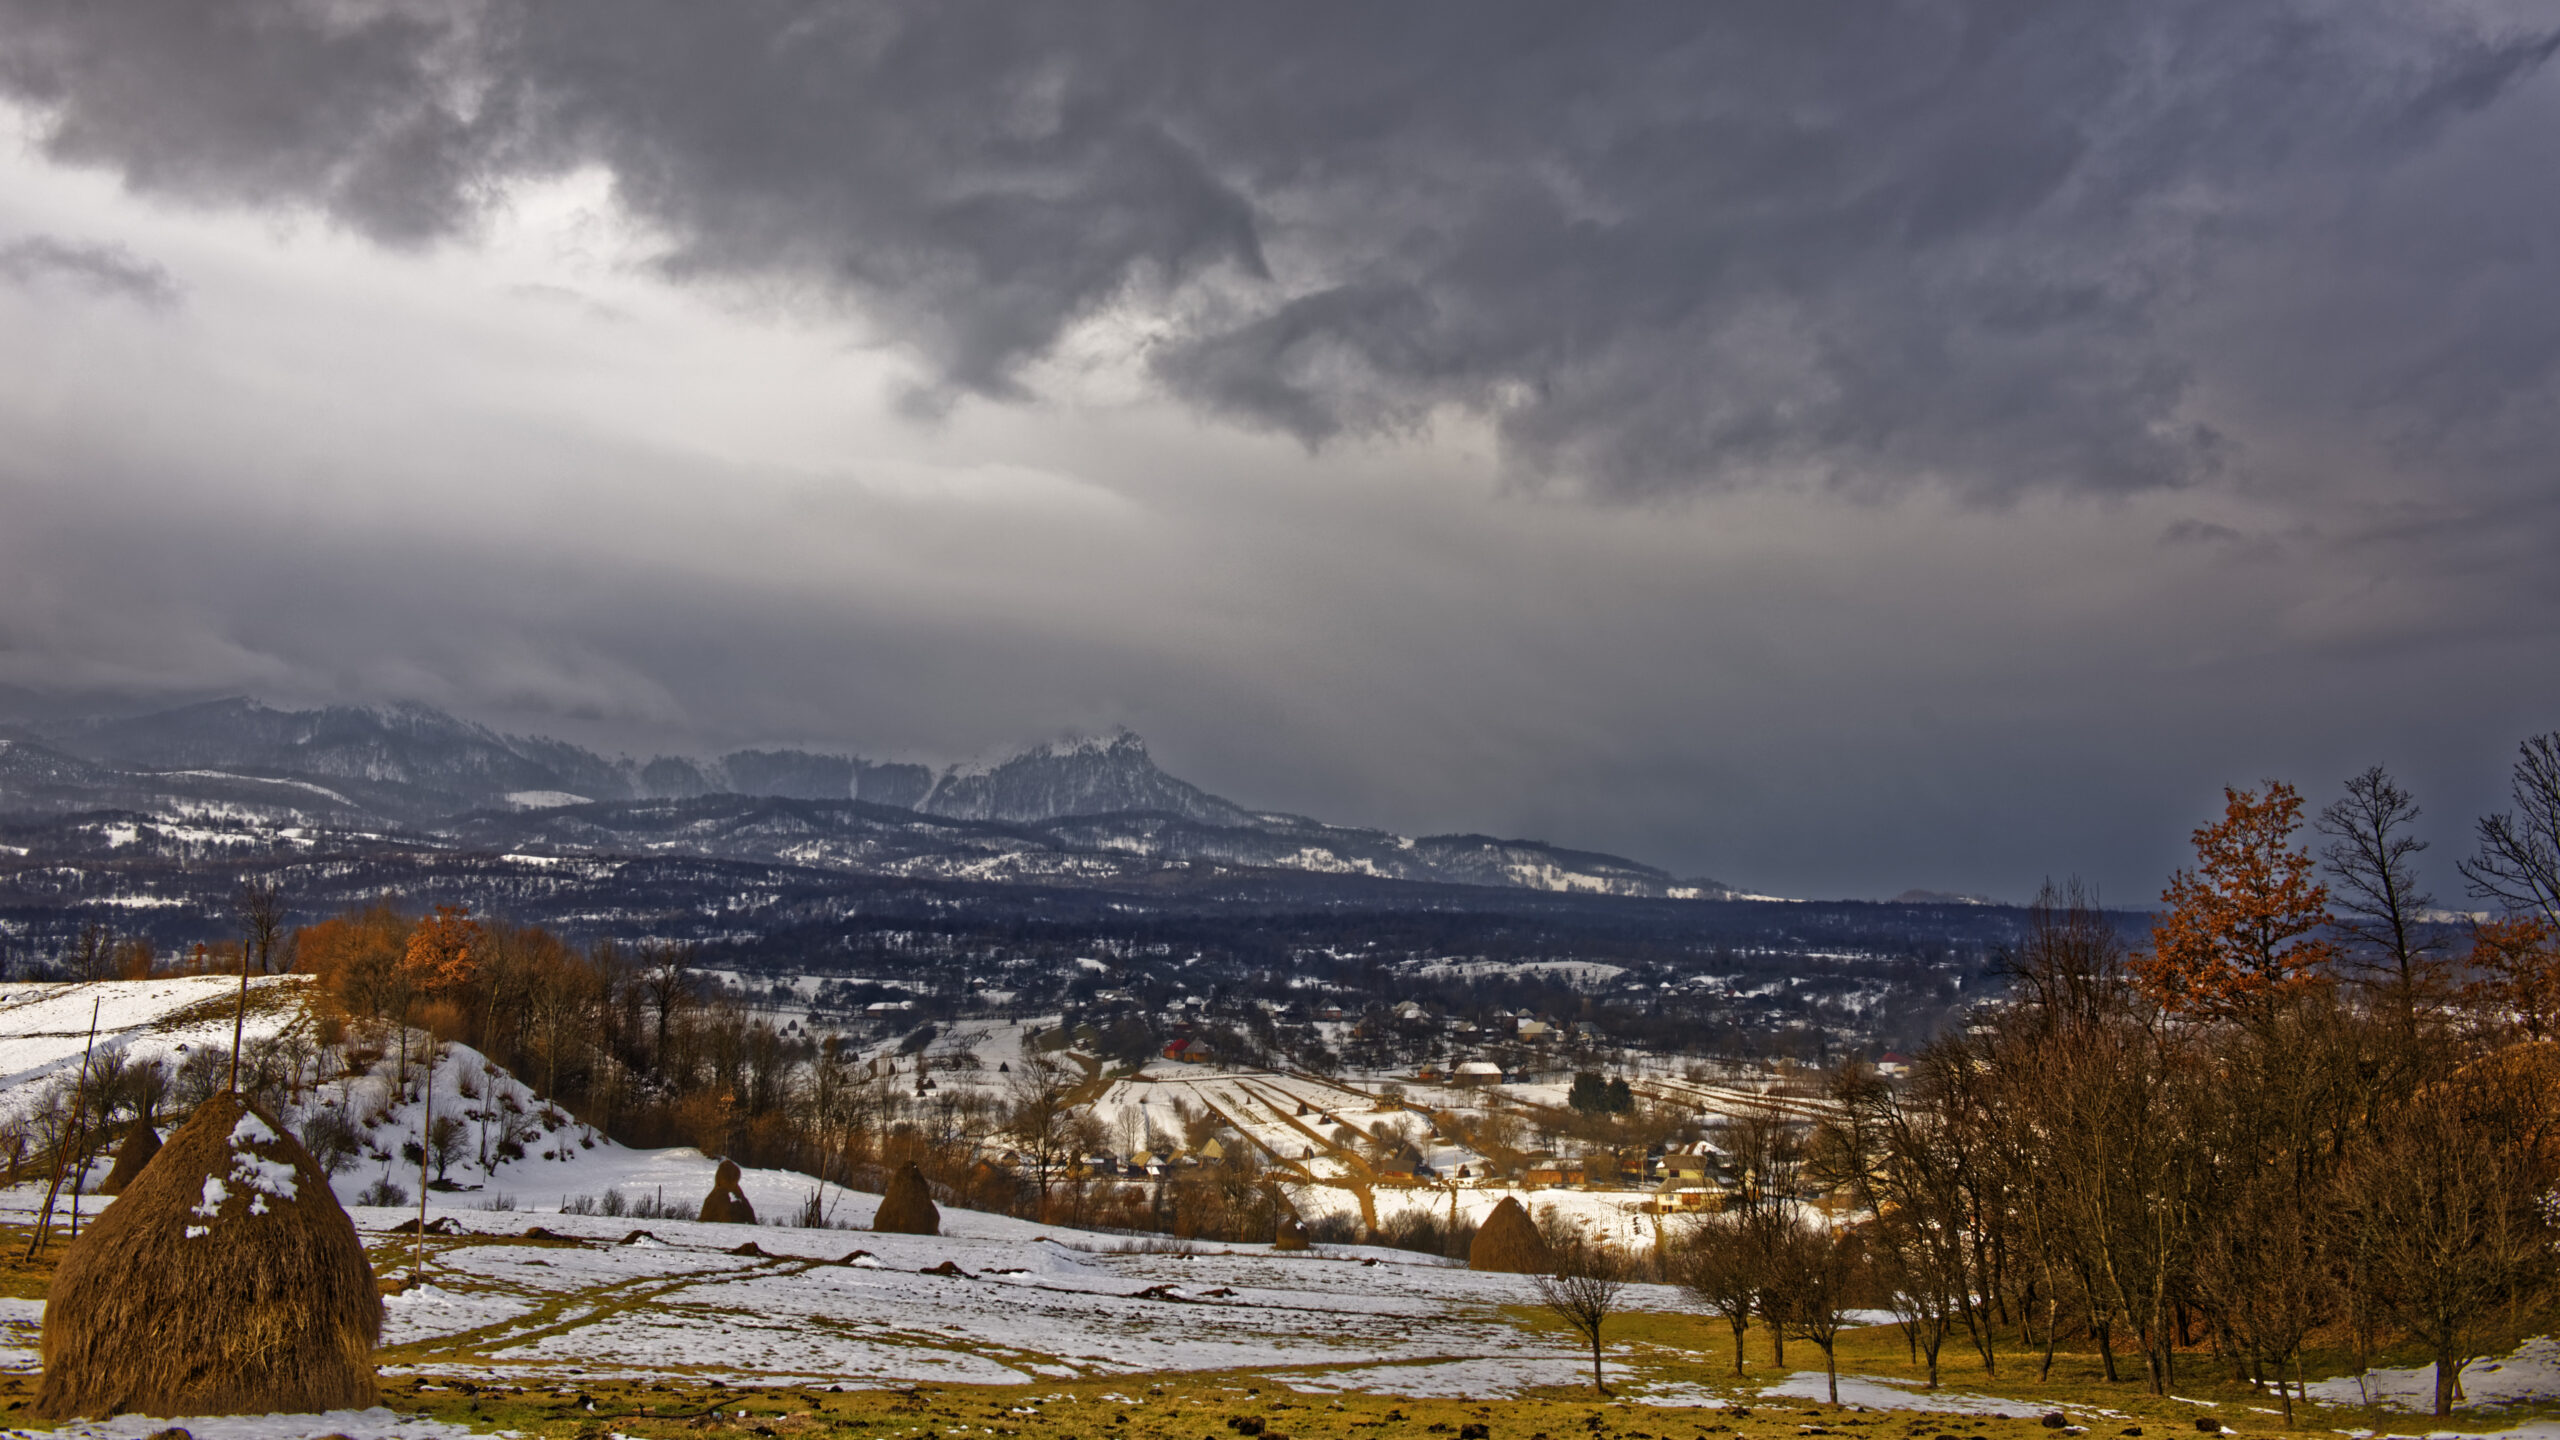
column 70, row 1142
column 240, row 1017
column 426, row 1130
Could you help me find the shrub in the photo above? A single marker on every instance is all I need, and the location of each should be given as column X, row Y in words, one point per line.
column 332, row 1139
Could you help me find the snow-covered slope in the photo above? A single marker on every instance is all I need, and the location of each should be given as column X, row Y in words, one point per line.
column 517, row 1149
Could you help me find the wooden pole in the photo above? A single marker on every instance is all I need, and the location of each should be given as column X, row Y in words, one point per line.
column 426, row 1132
column 69, row 1143
column 240, row 1016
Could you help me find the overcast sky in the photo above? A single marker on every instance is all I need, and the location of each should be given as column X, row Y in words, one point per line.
column 1827, row 447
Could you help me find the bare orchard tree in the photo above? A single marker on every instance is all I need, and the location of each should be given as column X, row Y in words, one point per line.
column 1584, row 1292
column 1722, row 1262
column 2518, row 864
column 1817, row 1269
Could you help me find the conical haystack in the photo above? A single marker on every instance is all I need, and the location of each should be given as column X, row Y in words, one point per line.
column 225, row 1281
column 1508, row 1240
column 1291, row 1235
column 140, row 1144
column 727, row 1204
column 907, row 1208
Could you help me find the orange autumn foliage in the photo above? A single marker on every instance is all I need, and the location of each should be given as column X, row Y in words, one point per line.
column 443, row 950
column 2239, row 928
column 2518, row 962
column 357, row 956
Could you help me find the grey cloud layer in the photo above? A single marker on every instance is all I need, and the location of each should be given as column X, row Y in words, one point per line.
column 2101, row 403
column 103, row 269
column 1979, row 245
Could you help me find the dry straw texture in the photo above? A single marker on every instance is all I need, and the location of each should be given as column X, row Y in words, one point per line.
column 1509, row 1241
column 225, row 1281
column 1291, row 1235
column 907, row 1208
column 727, row 1204
column 140, row 1144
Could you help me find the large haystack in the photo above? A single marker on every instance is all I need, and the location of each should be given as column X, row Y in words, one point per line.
column 727, row 1204
column 140, row 1144
column 1509, row 1241
column 907, row 1207
column 225, row 1281
column 1291, row 1235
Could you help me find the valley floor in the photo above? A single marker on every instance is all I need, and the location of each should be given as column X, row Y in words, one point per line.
column 527, row 1321
column 597, row 1327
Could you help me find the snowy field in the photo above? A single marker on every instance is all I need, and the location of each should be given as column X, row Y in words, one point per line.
column 995, row 1301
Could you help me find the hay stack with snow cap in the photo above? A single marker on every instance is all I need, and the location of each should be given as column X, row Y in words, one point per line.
column 1509, row 1241
column 1291, row 1235
column 140, row 1144
column 225, row 1281
column 907, row 1207
column 727, row 1204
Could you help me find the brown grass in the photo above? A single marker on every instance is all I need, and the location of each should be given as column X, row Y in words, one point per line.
column 253, row 1312
column 1509, row 1241
column 907, row 1207
column 727, row 1204
column 140, row 1144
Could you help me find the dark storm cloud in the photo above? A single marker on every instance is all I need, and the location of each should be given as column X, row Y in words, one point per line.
column 102, row 269
column 1660, row 247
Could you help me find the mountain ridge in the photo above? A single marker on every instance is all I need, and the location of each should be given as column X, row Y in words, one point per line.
column 1081, row 805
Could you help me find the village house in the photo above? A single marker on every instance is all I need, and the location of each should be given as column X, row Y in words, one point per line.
column 1685, row 1165
column 1692, row 1196
column 1554, row 1174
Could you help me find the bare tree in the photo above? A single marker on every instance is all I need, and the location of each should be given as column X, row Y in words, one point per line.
column 1039, row 1117
column 1722, row 1262
column 1584, row 1292
column 93, row 955
column 2518, row 864
column 1817, row 1267
column 667, row 983
column 2371, row 858
column 260, row 907
column 2450, row 1231
column 447, row 1139
column 2263, row 1266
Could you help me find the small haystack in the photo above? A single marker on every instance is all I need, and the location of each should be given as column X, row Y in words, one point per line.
column 1509, row 1241
column 140, row 1144
column 1291, row 1235
column 907, row 1207
column 727, row 1204
column 225, row 1281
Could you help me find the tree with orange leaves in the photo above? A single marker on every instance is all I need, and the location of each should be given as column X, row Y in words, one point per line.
column 443, row 950
column 2518, row 962
column 2240, row 928
column 442, row 954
